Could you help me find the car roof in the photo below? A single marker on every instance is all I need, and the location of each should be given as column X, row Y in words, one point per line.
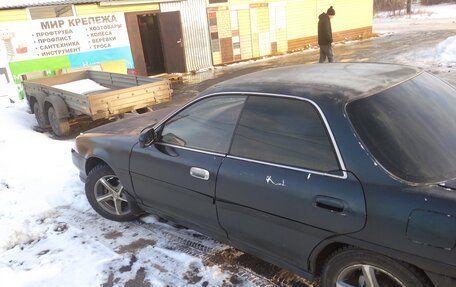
column 338, row 81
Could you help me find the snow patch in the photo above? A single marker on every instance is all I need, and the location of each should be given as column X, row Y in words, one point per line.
column 423, row 18
column 59, row 253
column 446, row 51
column 419, row 12
column 82, row 87
column 50, row 236
column 443, row 56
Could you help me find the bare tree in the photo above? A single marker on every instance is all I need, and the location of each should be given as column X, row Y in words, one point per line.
column 393, row 6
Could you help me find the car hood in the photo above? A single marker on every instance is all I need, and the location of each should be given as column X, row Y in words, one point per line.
column 133, row 125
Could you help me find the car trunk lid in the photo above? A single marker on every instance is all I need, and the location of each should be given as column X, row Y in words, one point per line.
column 451, row 184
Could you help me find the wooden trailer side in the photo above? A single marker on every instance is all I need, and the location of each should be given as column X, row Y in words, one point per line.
column 78, row 103
column 115, row 102
column 128, row 93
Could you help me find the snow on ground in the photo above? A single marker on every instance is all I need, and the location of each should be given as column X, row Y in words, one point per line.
column 419, row 12
column 426, row 18
column 446, row 52
column 439, row 59
column 84, row 86
column 50, row 236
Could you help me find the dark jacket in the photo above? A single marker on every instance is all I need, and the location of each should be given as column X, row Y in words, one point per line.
column 324, row 30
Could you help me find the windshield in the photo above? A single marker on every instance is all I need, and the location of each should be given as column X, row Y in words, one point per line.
column 410, row 129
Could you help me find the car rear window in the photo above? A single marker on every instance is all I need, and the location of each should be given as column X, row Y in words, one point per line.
column 410, row 128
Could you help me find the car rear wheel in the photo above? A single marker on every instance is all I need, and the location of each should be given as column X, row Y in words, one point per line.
column 351, row 267
column 108, row 197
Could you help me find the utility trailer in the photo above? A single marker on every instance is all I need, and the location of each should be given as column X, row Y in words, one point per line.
column 99, row 95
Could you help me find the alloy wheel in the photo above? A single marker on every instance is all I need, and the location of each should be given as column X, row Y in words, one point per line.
column 110, row 195
column 363, row 275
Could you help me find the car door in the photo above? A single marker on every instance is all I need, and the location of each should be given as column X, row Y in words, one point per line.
column 176, row 175
column 283, row 187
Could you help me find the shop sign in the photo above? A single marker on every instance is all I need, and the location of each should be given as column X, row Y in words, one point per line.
column 62, row 36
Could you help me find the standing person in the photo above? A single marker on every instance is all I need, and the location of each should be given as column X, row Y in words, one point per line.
column 325, row 39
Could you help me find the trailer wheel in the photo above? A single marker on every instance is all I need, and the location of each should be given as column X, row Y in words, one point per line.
column 60, row 127
column 39, row 116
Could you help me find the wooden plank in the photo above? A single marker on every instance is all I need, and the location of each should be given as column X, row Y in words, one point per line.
column 100, row 115
column 124, row 92
column 97, row 107
column 131, row 101
column 119, row 110
column 126, row 98
column 149, row 91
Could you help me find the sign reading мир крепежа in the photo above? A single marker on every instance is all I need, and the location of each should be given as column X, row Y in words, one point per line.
column 63, row 36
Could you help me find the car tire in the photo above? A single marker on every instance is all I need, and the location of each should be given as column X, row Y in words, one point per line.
column 60, row 127
column 107, row 196
column 39, row 116
column 355, row 267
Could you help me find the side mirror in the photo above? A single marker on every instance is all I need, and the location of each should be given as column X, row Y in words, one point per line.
column 147, row 138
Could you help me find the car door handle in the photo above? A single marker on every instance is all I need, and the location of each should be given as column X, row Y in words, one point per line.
column 330, row 203
column 199, row 173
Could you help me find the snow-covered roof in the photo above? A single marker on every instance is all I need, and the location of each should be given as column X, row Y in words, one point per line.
column 34, row 3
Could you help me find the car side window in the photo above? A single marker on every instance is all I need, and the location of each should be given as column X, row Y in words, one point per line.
column 284, row 131
column 207, row 124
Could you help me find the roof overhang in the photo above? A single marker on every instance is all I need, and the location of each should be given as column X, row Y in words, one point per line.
column 133, row 2
column 39, row 3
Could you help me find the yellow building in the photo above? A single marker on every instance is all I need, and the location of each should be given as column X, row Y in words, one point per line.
column 243, row 29
column 157, row 36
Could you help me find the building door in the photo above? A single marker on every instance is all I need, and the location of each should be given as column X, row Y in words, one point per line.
column 152, row 43
column 156, row 42
column 134, row 34
column 172, row 41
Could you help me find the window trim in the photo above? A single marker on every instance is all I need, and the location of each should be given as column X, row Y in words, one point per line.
column 310, row 171
column 161, row 123
column 284, row 165
column 322, row 115
column 191, row 149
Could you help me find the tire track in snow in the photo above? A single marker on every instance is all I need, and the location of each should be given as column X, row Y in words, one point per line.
column 168, row 240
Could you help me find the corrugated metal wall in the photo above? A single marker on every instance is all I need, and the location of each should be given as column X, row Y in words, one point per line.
column 196, row 32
